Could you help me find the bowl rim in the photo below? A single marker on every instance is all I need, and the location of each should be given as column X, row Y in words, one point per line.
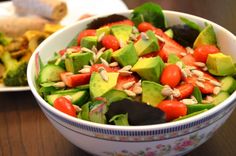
column 47, row 106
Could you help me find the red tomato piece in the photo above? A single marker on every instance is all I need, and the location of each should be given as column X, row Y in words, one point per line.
column 110, row 41
column 173, row 109
column 95, row 67
column 171, row 75
column 170, row 46
column 145, row 26
column 64, row 105
column 125, row 22
column 73, row 80
column 84, row 33
column 125, row 79
column 201, row 53
column 185, row 90
column 188, row 60
column 208, row 87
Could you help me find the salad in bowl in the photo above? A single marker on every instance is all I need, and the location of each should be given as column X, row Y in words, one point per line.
column 133, row 77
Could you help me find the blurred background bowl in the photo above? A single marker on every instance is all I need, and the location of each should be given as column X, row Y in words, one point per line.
column 174, row 138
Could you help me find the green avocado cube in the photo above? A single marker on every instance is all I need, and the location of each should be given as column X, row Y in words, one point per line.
column 152, row 93
column 207, row 36
column 122, row 32
column 98, row 87
column 149, row 68
column 220, row 64
column 106, row 55
column 147, row 45
column 103, row 31
column 75, row 61
column 126, row 55
column 89, row 42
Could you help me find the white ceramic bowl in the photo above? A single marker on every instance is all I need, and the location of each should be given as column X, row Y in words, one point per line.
column 175, row 138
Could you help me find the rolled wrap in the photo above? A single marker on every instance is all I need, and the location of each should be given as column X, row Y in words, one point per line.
column 16, row 26
column 51, row 9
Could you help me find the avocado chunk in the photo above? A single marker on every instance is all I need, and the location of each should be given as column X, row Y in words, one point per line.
column 126, row 55
column 147, row 44
column 220, row 64
column 115, row 95
column 106, row 55
column 206, row 36
column 122, row 32
column 103, row 31
column 149, row 68
column 75, row 61
column 152, row 93
column 89, row 42
column 98, row 86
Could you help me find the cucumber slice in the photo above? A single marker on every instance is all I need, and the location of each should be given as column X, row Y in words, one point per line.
column 50, row 73
column 78, row 98
column 228, row 84
column 84, row 114
column 220, row 97
column 198, row 107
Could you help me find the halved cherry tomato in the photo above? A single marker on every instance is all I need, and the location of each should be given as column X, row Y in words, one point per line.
column 125, row 22
column 171, row 75
column 95, row 67
column 110, row 41
column 188, row 60
column 208, row 87
column 64, row 105
column 145, row 26
column 201, row 53
column 84, row 33
column 173, row 109
column 125, row 79
column 185, row 90
column 73, row 80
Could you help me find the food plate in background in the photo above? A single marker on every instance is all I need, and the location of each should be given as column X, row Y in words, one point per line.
column 76, row 9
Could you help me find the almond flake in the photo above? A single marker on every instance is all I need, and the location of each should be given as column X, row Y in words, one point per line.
column 189, row 50
column 103, row 73
column 144, row 36
column 137, row 89
column 176, row 93
column 126, row 68
column 125, row 73
column 94, row 49
column 166, row 90
column 128, row 84
column 215, row 83
column 101, row 36
column 183, row 54
column 104, row 62
column 200, row 84
column 198, row 73
column 77, row 108
column 84, row 70
column 59, row 85
column 216, row 90
column 160, row 38
column 188, row 101
column 129, row 93
column 200, row 64
column 113, row 64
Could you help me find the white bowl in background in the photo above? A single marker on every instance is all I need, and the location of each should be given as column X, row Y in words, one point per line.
column 174, row 138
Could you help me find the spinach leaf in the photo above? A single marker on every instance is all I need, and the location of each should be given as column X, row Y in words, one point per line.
column 149, row 12
column 191, row 24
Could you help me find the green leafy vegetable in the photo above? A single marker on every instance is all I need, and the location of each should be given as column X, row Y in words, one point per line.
column 149, row 12
column 197, row 94
column 121, row 119
column 191, row 24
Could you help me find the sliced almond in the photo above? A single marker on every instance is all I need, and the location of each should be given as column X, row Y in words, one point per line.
column 166, row 91
column 128, row 84
column 103, row 73
column 113, row 64
column 188, row 101
column 137, row 89
column 126, row 68
column 125, row 73
column 200, row 64
column 130, row 93
column 216, row 90
column 59, row 85
column 84, row 70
